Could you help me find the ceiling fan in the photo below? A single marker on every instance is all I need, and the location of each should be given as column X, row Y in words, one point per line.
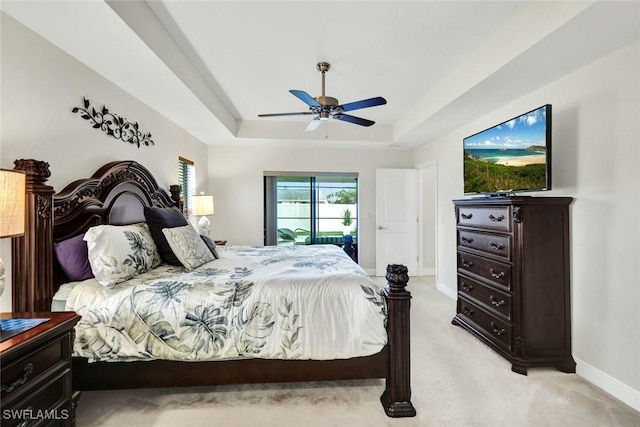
column 326, row 106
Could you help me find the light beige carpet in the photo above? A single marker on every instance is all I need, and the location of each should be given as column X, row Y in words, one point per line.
column 456, row 381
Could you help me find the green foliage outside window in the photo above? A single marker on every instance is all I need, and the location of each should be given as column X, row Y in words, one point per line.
column 346, row 217
column 347, row 196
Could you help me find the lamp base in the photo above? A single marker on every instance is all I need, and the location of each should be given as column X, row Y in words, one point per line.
column 204, row 226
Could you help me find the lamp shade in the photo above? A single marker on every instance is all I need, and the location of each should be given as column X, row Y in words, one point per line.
column 12, row 202
column 203, row 205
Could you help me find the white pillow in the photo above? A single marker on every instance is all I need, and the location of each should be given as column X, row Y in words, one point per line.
column 186, row 244
column 120, row 252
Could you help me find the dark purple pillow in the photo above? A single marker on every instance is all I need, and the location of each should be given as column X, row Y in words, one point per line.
column 159, row 218
column 73, row 257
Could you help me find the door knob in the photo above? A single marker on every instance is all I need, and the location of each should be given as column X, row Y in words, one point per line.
column 381, row 227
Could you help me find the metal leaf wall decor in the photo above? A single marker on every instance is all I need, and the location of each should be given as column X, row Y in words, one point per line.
column 112, row 124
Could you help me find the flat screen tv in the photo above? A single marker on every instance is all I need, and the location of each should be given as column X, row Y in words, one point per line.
column 510, row 157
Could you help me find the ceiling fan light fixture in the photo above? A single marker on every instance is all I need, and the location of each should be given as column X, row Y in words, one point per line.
column 328, row 106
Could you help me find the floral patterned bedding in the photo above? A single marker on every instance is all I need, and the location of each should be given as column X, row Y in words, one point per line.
column 273, row 302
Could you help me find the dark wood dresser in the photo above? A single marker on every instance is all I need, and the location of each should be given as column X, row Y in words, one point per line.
column 514, row 278
column 36, row 372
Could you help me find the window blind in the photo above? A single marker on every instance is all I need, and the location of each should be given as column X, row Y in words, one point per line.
column 187, row 181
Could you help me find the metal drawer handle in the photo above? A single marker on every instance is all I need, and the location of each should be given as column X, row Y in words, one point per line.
column 20, row 381
column 467, row 239
column 497, row 331
column 499, row 247
column 496, row 302
column 466, row 216
column 465, row 287
column 467, row 311
column 466, row 264
column 496, row 218
column 496, row 275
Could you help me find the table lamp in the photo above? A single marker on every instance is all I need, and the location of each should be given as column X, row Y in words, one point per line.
column 12, row 208
column 203, row 206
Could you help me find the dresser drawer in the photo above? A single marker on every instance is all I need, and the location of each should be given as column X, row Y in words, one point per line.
column 25, row 372
column 495, row 272
column 47, row 405
column 495, row 244
column 492, row 217
column 494, row 300
column 493, row 328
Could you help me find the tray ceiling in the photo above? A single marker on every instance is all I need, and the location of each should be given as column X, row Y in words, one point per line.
column 213, row 66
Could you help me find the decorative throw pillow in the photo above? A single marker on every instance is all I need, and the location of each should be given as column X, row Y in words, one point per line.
column 188, row 246
column 211, row 244
column 73, row 257
column 158, row 219
column 120, row 252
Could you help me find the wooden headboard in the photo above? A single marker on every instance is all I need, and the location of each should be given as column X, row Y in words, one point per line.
column 115, row 194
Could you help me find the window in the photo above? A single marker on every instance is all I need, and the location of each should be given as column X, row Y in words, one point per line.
column 187, row 181
column 310, row 208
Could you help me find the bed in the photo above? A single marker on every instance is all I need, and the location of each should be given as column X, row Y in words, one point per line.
column 267, row 349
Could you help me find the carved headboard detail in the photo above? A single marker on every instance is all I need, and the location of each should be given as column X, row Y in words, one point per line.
column 115, row 194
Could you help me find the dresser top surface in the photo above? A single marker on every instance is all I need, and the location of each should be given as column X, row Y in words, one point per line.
column 515, row 200
column 58, row 323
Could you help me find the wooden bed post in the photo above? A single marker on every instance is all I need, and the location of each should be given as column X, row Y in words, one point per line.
column 32, row 254
column 396, row 398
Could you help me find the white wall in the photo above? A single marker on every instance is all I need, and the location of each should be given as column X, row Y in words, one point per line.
column 596, row 140
column 427, row 215
column 40, row 84
column 236, row 182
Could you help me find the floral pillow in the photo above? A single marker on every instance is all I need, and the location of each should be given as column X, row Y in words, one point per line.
column 186, row 244
column 120, row 252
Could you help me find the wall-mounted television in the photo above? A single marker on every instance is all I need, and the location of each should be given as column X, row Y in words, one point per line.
column 510, row 157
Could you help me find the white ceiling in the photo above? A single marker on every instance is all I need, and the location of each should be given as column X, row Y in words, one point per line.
column 213, row 66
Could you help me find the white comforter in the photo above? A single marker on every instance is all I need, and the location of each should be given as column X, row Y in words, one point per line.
column 274, row 302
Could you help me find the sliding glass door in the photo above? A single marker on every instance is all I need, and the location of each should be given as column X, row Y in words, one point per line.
column 303, row 209
column 294, row 204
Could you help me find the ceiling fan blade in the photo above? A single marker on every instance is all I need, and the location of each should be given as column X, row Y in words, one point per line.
column 353, row 119
column 304, row 113
column 365, row 103
column 313, row 124
column 305, row 97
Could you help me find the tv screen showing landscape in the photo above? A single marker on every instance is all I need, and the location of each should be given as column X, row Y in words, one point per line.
column 512, row 156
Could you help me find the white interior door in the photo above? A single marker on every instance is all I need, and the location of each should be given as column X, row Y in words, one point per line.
column 396, row 219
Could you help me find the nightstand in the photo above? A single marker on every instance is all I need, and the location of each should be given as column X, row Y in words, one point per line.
column 36, row 372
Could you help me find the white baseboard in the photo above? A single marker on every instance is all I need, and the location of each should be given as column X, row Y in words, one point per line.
column 614, row 387
column 451, row 293
column 372, row 273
